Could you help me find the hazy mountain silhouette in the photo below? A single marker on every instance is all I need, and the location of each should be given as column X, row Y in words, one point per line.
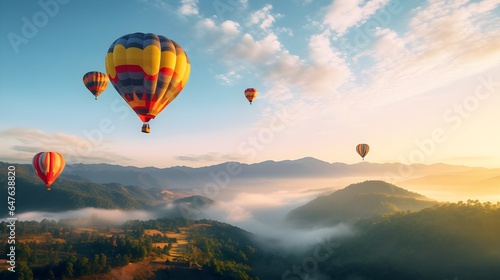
column 357, row 201
column 437, row 180
column 484, row 181
column 183, row 177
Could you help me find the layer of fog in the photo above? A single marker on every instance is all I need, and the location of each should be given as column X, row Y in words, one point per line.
column 88, row 216
column 264, row 214
column 254, row 209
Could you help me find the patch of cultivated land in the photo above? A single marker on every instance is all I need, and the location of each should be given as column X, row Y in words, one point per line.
column 179, row 246
column 39, row 238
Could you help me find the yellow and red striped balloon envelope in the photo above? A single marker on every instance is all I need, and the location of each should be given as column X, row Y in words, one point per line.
column 251, row 94
column 148, row 71
column 362, row 150
column 96, row 82
column 48, row 166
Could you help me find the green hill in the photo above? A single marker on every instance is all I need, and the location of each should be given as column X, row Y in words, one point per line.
column 446, row 241
column 70, row 193
column 357, row 201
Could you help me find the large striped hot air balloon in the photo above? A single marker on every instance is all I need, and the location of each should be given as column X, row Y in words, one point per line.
column 48, row 166
column 148, row 71
column 362, row 150
column 251, row 94
column 96, row 82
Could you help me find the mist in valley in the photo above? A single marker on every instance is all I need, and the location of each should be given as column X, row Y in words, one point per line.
column 259, row 208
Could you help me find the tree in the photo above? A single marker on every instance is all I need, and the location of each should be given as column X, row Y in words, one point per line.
column 24, row 272
column 103, row 261
column 68, row 270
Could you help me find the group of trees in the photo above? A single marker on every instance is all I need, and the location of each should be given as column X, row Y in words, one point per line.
column 446, row 241
column 62, row 251
column 222, row 249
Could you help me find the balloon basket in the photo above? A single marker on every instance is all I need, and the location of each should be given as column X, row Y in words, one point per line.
column 146, row 128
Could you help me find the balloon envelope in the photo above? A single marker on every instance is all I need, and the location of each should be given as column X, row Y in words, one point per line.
column 251, row 94
column 148, row 71
column 96, row 82
column 48, row 166
column 362, row 150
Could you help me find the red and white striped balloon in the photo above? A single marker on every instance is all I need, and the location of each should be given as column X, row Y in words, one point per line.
column 48, row 166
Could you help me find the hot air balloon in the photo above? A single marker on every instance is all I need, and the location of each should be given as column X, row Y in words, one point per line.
column 96, row 82
column 148, row 71
column 48, row 166
column 250, row 94
column 362, row 150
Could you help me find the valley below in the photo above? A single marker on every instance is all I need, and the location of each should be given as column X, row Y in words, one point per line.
column 349, row 225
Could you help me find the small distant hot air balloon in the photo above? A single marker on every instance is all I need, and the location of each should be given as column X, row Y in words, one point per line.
column 362, row 150
column 251, row 94
column 48, row 166
column 96, row 82
column 148, row 71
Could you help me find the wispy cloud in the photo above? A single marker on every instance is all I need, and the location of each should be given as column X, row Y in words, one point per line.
column 444, row 43
column 158, row 4
column 229, row 78
column 344, row 14
column 22, row 144
column 210, row 157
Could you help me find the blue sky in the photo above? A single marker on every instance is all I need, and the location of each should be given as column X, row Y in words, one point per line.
column 417, row 80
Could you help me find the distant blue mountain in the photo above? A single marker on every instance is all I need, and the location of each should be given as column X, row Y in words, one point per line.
column 183, row 177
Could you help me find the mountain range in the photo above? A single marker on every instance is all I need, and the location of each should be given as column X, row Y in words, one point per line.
column 128, row 187
column 184, row 176
column 439, row 181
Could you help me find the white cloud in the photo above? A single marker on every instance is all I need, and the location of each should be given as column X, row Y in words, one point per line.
column 344, row 14
column 264, row 18
column 207, row 24
column 440, row 46
column 325, row 71
column 321, row 76
column 230, row 27
column 214, row 37
column 189, row 7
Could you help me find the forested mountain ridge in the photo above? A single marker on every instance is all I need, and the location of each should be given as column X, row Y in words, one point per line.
column 445, row 241
column 71, row 194
column 357, row 201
